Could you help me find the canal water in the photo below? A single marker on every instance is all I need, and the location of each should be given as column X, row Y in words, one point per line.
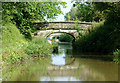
column 63, row 66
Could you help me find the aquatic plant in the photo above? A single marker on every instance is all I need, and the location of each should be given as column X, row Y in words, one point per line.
column 117, row 56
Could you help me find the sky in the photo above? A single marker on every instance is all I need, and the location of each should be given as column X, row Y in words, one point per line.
column 65, row 10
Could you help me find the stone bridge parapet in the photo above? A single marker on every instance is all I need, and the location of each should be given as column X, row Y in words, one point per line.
column 58, row 25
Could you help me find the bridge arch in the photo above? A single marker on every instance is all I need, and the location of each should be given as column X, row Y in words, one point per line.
column 45, row 33
column 64, row 33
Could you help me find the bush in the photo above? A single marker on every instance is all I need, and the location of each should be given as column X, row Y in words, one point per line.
column 16, row 56
column 55, row 48
column 117, row 56
column 103, row 39
column 38, row 47
column 66, row 38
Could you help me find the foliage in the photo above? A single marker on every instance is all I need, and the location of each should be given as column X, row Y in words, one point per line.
column 54, row 41
column 95, row 11
column 38, row 47
column 14, row 56
column 23, row 13
column 68, row 17
column 16, row 49
column 110, row 10
column 65, row 38
column 84, row 12
column 12, row 43
column 102, row 39
column 55, row 48
column 117, row 56
column 55, row 45
column 78, row 28
column 71, row 15
column 11, row 37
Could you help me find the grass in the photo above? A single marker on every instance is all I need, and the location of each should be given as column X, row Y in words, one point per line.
column 15, row 48
column 11, row 37
column 38, row 47
column 12, row 43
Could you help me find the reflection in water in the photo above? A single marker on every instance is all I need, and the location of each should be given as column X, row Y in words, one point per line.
column 64, row 68
column 60, row 58
column 59, row 78
column 96, row 70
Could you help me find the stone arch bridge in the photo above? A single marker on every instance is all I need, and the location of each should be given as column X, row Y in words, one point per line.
column 46, row 33
column 48, row 28
column 61, row 25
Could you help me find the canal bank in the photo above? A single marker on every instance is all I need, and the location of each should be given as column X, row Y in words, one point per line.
column 63, row 66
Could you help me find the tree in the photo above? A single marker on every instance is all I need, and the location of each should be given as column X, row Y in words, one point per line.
column 111, row 10
column 71, row 15
column 65, row 38
column 23, row 13
column 84, row 12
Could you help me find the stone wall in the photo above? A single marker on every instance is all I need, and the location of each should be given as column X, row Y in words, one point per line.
column 63, row 25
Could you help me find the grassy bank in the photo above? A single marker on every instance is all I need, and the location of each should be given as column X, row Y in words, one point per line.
column 11, row 37
column 101, row 38
column 15, row 48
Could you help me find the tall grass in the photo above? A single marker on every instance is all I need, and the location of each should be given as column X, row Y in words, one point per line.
column 11, row 37
column 103, row 38
column 38, row 47
column 12, row 43
column 16, row 48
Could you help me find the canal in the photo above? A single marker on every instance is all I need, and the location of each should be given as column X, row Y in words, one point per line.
column 63, row 66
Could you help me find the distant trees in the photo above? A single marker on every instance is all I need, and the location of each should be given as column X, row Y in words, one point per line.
column 66, row 38
column 71, row 15
column 23, row 13
column 94, row 11
column 84, row 12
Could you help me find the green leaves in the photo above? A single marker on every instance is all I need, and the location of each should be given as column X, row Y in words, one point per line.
column 66, row 38
column 38, row 47
column 24, row 13
column 117, row 56
column 84, row 12
column 110, row 11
